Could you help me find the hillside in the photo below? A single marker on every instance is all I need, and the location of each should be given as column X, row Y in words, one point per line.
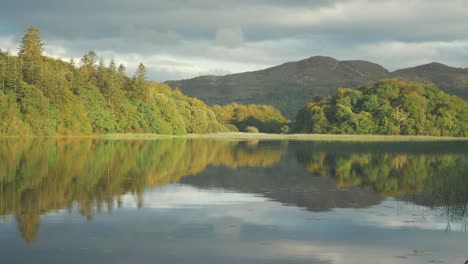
column 286, row 86
column 290, row 85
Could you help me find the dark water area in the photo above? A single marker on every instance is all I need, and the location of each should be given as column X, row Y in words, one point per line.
column 226, row 201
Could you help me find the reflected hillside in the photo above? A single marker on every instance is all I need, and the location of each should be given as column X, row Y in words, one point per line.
column 287, row 182
column 324, row 176
column 423, row 173
column 95, row 173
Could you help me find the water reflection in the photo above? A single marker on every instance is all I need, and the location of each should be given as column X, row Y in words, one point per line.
column 37, row 177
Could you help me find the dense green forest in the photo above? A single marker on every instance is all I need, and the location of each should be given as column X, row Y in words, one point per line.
column 40, row 95
column 265, row 118
column 390, row 107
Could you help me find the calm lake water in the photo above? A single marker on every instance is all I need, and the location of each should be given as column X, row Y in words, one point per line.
column 223, row 201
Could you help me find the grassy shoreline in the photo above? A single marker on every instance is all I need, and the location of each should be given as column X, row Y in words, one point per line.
column 256, row 136
column 303, row 137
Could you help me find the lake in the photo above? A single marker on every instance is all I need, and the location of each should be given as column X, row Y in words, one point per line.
column 226, row 201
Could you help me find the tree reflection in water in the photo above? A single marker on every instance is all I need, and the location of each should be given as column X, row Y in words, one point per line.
column 37, row 176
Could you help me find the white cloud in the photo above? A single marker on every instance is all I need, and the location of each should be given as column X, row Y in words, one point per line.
column 177, row 196
column 8, row 43
column 397, row 54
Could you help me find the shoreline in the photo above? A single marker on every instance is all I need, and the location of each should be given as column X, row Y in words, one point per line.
column 259, row 136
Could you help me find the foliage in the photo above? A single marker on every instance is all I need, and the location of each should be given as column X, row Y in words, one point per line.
column 390, row 107
column 43, row 96
column 264, row 117
column 251, row 129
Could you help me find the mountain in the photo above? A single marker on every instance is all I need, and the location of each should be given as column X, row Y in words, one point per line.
column 451, row 80
column 293, row 84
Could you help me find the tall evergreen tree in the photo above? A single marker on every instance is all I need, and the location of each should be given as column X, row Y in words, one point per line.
column 30, row 54
column 122, row 75
column 140, row 87
column 102, row 76
column 121, row 70
column 12, row 74
column 3, row 70
column 88, row 67
column 141, row 72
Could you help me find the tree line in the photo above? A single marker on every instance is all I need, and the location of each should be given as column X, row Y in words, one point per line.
column 40, row 95
column 390, row 107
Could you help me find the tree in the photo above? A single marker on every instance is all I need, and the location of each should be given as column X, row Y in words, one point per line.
column 264, row 117
column 140, row 87
column 121, row 70
column 30, row 54
column 389, row 107
column 12, row 74
column 3, row 67
column 88, row 67
column 141, row 72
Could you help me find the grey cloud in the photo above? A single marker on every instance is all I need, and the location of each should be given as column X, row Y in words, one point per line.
column 232, row 36
column 150, row 35
column 260, row 19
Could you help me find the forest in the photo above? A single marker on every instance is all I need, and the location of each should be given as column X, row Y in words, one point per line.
column 44, row 96
column 390, row 107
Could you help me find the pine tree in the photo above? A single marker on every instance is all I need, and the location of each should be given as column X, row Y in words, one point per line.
column 3, row 70
column 141, row 72
column 112, row 85
column 11, row 75
column 102, row 76
column 112, row 66
column 30, row 55
column 122, row 75
column 88, row 68
column 140, row 86
column 121, row 70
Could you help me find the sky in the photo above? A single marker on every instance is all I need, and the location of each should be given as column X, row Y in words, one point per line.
column 181, row 39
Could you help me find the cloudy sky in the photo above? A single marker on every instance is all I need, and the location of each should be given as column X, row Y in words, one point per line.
column 186, row 38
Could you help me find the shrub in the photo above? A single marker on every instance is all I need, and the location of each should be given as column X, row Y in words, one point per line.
column 251, row 129
column 231, row 128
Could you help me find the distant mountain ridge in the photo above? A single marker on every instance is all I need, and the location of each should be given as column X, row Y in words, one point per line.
column 291, row 85
column 451, row 80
